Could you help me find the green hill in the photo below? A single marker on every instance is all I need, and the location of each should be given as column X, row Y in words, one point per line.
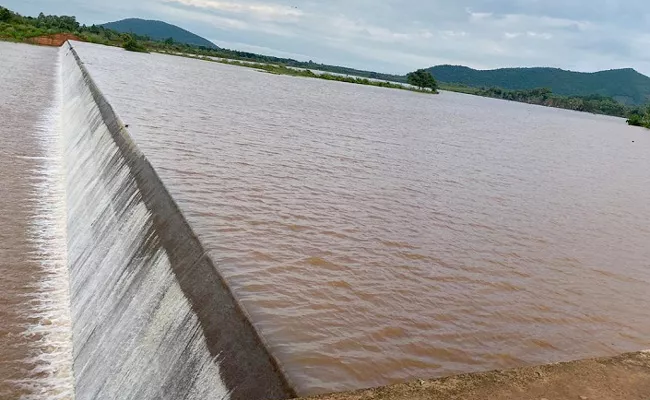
column 624, row 85
column 158, row 30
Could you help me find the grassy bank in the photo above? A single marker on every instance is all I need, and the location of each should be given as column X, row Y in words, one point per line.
column 306, row 73
column 594, row 104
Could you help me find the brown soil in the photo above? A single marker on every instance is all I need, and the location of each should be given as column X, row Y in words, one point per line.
column 624, row 377
column 56, row 39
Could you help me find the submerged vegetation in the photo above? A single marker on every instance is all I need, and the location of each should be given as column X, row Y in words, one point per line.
column 15, row 27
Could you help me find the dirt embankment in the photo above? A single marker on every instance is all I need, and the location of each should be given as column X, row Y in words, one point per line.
column 56, row 39
column 626, row 377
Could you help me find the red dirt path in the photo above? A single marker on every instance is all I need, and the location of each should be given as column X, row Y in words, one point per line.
column 56, row 39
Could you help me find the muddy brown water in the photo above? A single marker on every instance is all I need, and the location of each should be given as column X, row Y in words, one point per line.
column 35, row 350
column 377, row 236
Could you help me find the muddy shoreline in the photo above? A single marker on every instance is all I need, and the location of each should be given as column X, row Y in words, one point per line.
column 622, row 377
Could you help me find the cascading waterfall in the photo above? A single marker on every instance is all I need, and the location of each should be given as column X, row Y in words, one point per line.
column 134, row 331
column 51, row 376
column 151, row 319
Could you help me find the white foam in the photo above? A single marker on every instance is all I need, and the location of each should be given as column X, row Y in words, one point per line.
column 135, row 334
column 51, row 376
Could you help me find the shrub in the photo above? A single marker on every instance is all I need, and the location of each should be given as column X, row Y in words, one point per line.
column 130, row 44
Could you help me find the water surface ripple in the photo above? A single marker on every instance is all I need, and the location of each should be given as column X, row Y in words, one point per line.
column 377, row 235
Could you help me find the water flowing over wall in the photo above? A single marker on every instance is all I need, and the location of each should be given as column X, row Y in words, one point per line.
column 152, row 318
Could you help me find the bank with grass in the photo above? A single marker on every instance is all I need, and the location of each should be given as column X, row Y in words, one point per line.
column 306, row 73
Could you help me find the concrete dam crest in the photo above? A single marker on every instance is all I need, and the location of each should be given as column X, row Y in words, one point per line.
column 152, row 318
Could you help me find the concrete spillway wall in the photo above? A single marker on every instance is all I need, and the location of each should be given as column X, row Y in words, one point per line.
column 152, row 317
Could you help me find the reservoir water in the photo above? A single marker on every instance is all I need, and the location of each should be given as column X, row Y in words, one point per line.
column 378, row 235
column 372, row 235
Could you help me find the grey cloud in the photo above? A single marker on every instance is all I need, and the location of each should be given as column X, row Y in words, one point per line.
column 401, row 35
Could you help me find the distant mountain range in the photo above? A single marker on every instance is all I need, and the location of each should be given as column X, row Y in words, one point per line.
column 158, row 30
column 625, row 85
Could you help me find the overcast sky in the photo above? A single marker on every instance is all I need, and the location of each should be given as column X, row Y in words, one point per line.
column 400, row 35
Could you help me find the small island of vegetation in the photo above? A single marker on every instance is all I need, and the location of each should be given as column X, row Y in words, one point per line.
column 422, row 79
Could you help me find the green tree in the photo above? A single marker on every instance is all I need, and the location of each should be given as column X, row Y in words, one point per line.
column 422, row 79
column 131, row 44
column 169, row 41
column 640, row 117
column 5, row 15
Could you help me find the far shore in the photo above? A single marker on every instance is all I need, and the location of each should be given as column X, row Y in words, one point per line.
column 278, row 69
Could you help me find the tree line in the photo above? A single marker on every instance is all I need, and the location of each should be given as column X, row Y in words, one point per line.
column 595, row 104
column 16, row 27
